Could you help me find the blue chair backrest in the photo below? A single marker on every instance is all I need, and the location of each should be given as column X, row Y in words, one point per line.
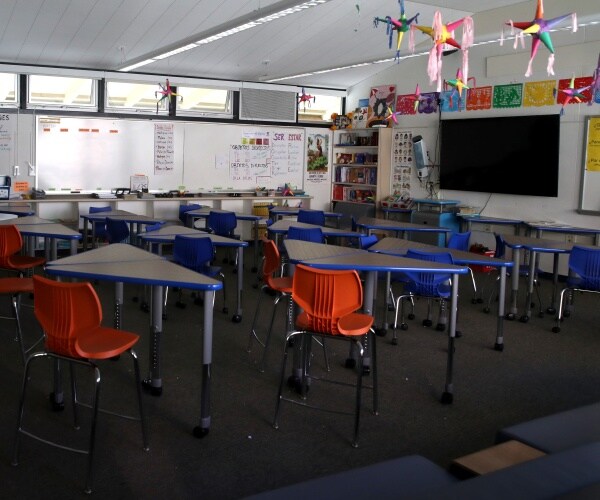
column 95, row 210
column 313, row 234
column 460, row 241
column 117, row 231
column 187, row 208
column 365, row 241
column 429, row 283
column 222, row 223
column 316, row 217
column 586, row 263
column 99, row 227
column 193, row 253
column 500, row 246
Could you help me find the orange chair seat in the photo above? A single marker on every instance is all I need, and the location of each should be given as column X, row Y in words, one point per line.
column 354, row 324
column 24, row 261
column 16, row 285
column 104, row 343
column 283, row 284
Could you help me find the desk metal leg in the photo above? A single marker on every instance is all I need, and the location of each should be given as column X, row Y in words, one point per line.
column 85, row 235
column 255, row 262
column 154, row 381
column 237, row 317
column 202, row 430
column 530, row 281
column 448, row 394
column 499, row 345
column 552, row 308
column 514, row 285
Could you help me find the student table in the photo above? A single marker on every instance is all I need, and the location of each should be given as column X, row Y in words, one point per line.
column 135, row 222
column 371, row 223
column 32, row 227
column 277, row 213
column 534, row 246
column 18, row 210
column 371, row 263
column 552, row 227
column 281, row 227
column 166, row 234
column 203, row 213
column 122, row 263
column 491, row 221
column 397, row 246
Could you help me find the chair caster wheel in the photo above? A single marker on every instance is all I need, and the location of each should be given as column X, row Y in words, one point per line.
column 404, row 327
column 411, row 316
column 350, row 363
column 566, row 314
column 498, row 347
column 480, row 301
column 56, row 405
column 440, row 327
column 487, row 310
column 148, row 387
column 447, row 398
column 179, row 304
column 236, row 318
column 427, row 322
column 390, row 307
column 555, row 329
column 510, row 316
column 457, row 334
column 200, row 432
column 473, row 301
column 540, row 314
column 380, row 332
column 394, row 341
column 524, row 319
column 225, row 310
column 551, row 310
column 164, row 316
column 366, row 370
column 145, row 307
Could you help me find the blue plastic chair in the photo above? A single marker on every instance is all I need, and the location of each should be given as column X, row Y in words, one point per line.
column 460, row 241
column 367, row 241
column 313, row 234
column 223, row 224
column 584, row 276
column 197, row 254
column 316, row 217
column 429, row 285
column 117, row 231
column 183, row 209
column 99, row 228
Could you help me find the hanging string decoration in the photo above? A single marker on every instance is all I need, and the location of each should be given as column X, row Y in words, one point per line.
column 165, row 93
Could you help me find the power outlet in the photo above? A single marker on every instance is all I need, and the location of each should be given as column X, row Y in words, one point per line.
column 570, row 238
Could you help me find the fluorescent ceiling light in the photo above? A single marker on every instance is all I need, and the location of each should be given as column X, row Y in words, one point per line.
column 252, row 23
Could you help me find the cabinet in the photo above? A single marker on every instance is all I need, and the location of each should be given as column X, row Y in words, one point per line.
column 361, row 165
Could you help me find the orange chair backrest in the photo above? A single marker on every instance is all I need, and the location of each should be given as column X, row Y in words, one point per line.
column 11, row 242
column 326, row 296
column 272, row 260
column 65, row 310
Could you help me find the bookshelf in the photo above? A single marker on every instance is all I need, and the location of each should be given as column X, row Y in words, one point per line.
column 361, row 165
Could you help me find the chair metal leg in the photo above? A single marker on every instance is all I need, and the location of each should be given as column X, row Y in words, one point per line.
column 359, row 377
column 138, row 386
column 92, row 442
column 74, row 400
column 282, row 379
column 253, row 334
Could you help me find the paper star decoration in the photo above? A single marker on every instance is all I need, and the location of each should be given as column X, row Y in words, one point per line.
column 539, row 29
column 442, row 35
column 417, row 97
column 458, row 84
column 166, row 91
column 572, row 94
column 400, row 26
column 392, row 115
column 305, row 98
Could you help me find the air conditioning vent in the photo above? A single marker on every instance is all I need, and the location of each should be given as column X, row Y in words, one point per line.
column 268, row 105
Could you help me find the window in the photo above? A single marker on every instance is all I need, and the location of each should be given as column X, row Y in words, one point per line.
column 202, row 101
column 8, row 89
column 135, row 97
column 61, row 92
column 319, row 109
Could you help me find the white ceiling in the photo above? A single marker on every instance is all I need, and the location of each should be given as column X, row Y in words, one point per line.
column 109, row 34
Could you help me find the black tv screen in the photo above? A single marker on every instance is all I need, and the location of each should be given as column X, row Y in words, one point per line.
column 512, row 155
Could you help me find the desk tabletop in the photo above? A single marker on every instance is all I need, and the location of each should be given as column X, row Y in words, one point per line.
column 125, row 263
column 561, row 228
column 121, row 215
column 395, row 225
column 27, row 220
column 294, row 211
column 19, row 211
column 282, row 226
column 51, row 230
column 205, row 212
column 484, row 219
column 537, row 244
column 166, row 234
column 300, row 251
column 399, row 246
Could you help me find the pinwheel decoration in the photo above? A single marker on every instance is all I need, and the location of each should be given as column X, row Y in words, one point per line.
column 417, row 97
column 165, row 92
column 572, row 94
column 442, row 35
column 458, row 84
column 392, row 115
column 305, row 98
column 400, row 26
column 539, row 29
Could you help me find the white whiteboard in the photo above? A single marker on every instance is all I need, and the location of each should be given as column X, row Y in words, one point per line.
column 101, row 154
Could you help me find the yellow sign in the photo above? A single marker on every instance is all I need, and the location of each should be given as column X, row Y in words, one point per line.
column 592, row 156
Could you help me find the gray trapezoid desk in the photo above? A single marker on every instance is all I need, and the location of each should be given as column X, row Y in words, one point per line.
column 398, row 246
column 121, row 263
column 371, row 263
column 166, row 235
column 281, row 227
column 490, row 221
column 371, row 223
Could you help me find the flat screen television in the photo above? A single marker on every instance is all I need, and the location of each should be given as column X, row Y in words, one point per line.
column 511, row 155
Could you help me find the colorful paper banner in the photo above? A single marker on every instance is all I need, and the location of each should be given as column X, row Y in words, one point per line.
column 479, row 98
column 539, row 93
column 508, row 96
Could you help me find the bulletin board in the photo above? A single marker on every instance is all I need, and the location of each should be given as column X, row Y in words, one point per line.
column 90, row 154
column 589, row 201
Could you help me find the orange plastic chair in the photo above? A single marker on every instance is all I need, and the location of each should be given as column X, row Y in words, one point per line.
column 14, row 287
column 329, row 300
column 281, row 286
column 11, row 244
column 70, row 315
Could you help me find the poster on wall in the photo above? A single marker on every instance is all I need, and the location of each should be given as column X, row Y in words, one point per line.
column 380, row 99
column 164, row 148
column 7, row 142
column 402, row 160
column 317, row 161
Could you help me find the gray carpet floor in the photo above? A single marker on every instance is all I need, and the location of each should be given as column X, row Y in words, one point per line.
column 538, row 373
